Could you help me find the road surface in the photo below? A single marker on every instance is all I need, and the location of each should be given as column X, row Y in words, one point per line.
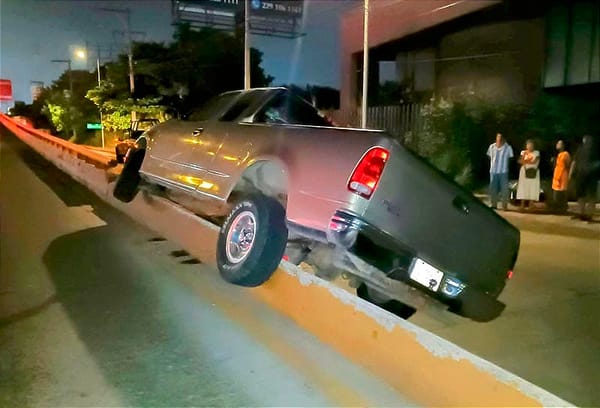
column 96, row 310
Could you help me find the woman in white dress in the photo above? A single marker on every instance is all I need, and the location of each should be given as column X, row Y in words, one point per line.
column 528, row 189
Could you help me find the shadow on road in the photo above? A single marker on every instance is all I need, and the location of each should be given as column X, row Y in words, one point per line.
column 128, row 324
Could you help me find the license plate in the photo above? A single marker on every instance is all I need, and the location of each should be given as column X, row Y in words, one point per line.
column 426, row 275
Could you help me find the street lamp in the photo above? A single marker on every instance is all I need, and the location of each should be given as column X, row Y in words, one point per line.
column 82, row 54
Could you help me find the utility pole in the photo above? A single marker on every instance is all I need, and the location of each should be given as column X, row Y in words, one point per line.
column 130, row 53
column 127, row 22
column 100, row 108
column 365, row 84
column 247, row 44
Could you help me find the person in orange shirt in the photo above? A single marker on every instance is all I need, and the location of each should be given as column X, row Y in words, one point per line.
column 560, row 180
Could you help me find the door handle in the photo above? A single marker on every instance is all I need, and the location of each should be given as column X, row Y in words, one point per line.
column 197, row 131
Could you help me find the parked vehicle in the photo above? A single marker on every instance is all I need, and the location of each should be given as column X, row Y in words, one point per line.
column 136, row 129
column 347, row 201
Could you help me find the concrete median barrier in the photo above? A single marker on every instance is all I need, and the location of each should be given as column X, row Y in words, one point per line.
column 420, row 365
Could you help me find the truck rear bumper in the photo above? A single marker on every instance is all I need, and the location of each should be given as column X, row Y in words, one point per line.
column 349, row 234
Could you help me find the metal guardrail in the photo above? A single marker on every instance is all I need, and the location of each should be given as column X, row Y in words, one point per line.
column 99, row 160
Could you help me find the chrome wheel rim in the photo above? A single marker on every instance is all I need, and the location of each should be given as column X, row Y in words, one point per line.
column 240, row 237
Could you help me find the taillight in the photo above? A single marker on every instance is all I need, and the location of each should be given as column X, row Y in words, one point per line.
column 367, row 173
column 509, row 274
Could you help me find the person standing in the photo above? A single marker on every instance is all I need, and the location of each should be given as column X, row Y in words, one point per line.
column 500, row 154
column 585, row 169
column 528, row 189
column 560, row 179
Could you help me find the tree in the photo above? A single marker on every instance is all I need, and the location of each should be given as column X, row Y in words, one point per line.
column 194, row 67
column 70, row 113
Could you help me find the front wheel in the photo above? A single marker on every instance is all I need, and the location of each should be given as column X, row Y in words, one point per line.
column 252, row 241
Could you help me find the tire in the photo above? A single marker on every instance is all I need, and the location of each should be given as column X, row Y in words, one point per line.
column 378, row 299
column 252, row 261
column 128, row 183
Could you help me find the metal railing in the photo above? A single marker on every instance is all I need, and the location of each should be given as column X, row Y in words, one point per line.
column 397, row 120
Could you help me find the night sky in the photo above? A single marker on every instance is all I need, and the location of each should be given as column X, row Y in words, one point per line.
column 33, row 32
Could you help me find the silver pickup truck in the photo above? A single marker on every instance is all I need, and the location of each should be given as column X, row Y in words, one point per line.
column 349, row 202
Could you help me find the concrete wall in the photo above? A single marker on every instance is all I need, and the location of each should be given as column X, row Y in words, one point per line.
column 390, row 20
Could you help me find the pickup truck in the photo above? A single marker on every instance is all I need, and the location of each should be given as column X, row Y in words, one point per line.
column 350, row 202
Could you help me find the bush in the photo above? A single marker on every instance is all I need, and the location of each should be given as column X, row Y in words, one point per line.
column 455, row 135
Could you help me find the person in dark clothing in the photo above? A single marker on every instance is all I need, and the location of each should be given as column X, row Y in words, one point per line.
column 585, row 171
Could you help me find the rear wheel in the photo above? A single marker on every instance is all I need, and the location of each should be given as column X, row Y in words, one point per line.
column 127, row 185
column 252, row 241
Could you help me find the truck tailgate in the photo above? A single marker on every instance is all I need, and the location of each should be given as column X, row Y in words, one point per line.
column 442, row 223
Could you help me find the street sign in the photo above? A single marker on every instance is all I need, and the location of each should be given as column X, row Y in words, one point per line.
column 93, row 126
column 6, row 90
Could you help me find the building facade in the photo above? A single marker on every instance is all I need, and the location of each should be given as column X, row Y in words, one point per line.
column 505, row 51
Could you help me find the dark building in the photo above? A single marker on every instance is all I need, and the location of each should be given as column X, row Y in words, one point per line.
column 505, row 51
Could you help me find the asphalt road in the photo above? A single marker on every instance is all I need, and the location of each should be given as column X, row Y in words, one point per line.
column 96, row 310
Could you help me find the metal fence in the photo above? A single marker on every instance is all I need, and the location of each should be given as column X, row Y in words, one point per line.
column 398, row 120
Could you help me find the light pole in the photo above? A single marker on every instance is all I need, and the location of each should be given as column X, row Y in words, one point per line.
column 247, row 44
column 365, row 84
column 127, row 22
column 82, row 54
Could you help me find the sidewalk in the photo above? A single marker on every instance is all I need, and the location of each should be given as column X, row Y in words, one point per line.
column 540, row 220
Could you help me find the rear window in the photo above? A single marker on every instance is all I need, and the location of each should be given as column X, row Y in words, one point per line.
column 286, row 108
column 243, row 103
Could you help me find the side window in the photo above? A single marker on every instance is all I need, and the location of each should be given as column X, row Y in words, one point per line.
column 213, row 107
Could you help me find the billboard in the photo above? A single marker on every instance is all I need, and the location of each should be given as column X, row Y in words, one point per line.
column 279, row 18
column 6, row 90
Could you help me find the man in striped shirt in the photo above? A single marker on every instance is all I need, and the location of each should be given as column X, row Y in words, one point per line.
column 500, row 154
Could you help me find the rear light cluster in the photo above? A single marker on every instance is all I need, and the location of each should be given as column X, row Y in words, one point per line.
column 367, row 173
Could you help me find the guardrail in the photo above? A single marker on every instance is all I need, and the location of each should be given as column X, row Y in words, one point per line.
column 81, row 152
column 420, row 365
